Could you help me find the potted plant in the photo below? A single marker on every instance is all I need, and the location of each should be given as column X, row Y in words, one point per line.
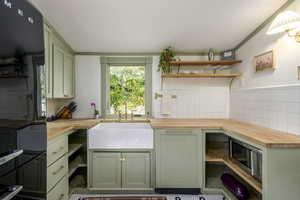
column 166, row 57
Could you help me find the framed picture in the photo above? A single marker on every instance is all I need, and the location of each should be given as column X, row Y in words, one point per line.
column 264, row 61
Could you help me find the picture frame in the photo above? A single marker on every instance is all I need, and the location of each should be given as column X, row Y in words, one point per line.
column 264, row 61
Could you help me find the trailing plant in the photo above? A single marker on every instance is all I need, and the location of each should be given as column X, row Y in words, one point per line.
column 166, row 57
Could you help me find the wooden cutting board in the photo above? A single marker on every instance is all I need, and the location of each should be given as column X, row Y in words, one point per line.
column 126, row 198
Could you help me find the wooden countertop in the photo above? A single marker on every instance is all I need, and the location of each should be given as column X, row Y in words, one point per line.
column 61, row 127
column 257, row 134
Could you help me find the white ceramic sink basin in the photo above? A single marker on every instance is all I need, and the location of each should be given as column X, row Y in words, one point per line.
column 121, row 136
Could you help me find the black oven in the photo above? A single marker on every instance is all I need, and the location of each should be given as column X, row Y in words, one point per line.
column 23, row 164
column 248, row 158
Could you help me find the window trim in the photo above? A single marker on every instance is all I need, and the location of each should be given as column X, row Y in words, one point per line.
column 106, row 62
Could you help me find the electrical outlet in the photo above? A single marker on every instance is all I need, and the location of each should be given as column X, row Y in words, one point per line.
column 298, row 72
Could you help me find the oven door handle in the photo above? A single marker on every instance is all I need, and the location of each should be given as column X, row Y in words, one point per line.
column 14, row 190
column 10, row 157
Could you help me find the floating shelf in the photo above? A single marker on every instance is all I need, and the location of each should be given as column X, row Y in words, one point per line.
column 206, row 62
column 217, row 156
column 200, row 75
column 73, row 148
column 76, row 164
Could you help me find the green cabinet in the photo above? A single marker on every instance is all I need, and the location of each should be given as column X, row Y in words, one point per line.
column 59, row 63
column 58, row 72
column 179, row 158
column 106, row 170
column 136, row 170
column 116, row 170
column 68, row 83
column 48, row 61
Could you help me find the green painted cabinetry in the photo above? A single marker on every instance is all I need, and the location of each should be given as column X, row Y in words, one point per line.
column 106, row 170
column 179, row 158
column 59, row 62
column 117, row 170
column 136, row 170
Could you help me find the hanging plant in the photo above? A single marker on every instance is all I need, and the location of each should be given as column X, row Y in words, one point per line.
column 166, row 57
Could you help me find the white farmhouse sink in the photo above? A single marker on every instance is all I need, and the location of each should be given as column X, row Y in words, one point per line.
column 121, row 136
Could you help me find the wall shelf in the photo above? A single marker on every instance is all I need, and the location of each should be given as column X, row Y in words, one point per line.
column 200, row 75
column 217, row 156
column 206, row 62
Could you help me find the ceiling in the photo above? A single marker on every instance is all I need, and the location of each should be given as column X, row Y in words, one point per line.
column 147, row 26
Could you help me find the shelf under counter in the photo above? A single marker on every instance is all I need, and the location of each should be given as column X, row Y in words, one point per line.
column 218, row 156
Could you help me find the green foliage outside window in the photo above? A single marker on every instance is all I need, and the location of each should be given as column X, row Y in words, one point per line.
column 127, row 86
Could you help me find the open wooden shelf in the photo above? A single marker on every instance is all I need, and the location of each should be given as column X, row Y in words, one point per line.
column 206, row 62
column 218, row 156
column 75, row 164
column 73, row 148
column 200, row 75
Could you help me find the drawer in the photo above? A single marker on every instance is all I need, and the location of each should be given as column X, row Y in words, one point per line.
column 57, row 150
column 60, row 191
column 56, row 171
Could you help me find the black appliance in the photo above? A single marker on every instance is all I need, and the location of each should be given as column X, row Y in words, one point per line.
column 249, row 158
column 23, row 132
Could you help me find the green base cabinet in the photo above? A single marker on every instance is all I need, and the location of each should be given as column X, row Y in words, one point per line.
column 179, row 158
column 119, row 170
column 136, row 170
column 106, row 170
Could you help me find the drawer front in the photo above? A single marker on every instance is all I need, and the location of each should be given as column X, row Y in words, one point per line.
column 57, row 150
column 56, row 171
column 61, row 191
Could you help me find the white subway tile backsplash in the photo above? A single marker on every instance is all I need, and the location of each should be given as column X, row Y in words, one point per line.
column 277, row 108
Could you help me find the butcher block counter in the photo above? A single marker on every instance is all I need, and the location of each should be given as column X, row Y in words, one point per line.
column 61, row 127
column 257, row 134
column 260, row 135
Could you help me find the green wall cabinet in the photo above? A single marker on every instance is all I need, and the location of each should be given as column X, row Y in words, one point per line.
column 59, row 63
column 116, row 170
column 179, row 158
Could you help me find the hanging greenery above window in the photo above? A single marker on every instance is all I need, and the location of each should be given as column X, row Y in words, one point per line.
column 166, row 57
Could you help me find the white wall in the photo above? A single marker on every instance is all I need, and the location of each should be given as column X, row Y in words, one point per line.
column 196, row 98
column 88, row 85
column 269, row 98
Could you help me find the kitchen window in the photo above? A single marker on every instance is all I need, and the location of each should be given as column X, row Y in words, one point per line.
column 126, row 86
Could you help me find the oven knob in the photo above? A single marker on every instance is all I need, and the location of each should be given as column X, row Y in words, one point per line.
column 177, row 198
column 201, row 198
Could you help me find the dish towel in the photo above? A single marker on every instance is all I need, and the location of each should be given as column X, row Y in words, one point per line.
column 166, row 105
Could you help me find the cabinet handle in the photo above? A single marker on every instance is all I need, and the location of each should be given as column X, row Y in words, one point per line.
column 122, row 159
column 57, row 171
column 61, row 196
column 59, row 150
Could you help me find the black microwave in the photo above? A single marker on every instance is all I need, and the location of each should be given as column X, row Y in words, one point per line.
column 247, row 157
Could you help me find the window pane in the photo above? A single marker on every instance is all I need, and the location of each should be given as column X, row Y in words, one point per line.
column 127, row 87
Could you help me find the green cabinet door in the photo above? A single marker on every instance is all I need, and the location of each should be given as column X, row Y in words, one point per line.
column 106, row 170
column 48, row 61
column 179, row 161
column 136, row 170
column 68, row 76
column 58, row 71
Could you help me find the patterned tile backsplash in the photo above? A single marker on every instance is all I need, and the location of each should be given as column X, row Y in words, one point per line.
column 275, row 107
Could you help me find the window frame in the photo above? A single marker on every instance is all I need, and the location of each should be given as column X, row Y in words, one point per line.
column 106, row 62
